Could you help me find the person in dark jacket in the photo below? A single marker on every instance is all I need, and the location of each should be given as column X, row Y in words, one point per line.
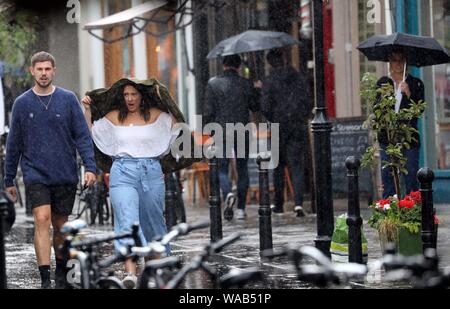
column 286, row 100
column 229, row 100
column 407, row 88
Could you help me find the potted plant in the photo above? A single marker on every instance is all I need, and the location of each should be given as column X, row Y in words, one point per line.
column 399, row 221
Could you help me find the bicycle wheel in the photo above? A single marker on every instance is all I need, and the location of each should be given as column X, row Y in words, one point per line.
column 91, row 204
column 180, row 210
column 106, row 209
column 19, row 193
column 110, row 283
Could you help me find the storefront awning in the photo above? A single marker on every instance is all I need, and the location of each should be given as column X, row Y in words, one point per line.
column 126, row 17
column 137, row 18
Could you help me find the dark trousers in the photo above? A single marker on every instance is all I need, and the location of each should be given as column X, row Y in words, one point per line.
column 242, row 179
column 292, row 153
column 242, row 173
column 410, row 179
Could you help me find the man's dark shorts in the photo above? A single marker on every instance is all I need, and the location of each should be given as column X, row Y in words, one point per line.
column 61, row 197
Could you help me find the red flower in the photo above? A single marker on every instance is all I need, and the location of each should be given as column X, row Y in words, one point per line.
column 384, row 202
column 436, row 220
column 406, row 203
column 416, row 197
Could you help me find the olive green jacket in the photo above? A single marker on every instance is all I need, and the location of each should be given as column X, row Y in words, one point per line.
column 105, row 100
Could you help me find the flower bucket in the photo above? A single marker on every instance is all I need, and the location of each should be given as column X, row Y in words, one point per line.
column 407, row 243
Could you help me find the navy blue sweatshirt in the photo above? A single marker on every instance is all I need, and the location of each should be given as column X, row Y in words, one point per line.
column 45, row 139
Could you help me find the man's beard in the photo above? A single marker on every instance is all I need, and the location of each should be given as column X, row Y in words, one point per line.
column 44, row 84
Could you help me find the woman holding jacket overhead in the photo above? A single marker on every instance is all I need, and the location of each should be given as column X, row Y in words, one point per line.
column 136, row 135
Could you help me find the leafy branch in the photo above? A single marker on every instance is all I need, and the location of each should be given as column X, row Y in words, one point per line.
column 382, row 117
column 18, row 35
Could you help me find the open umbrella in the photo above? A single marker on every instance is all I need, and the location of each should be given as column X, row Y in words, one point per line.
column 419, row 50
column 250, row 41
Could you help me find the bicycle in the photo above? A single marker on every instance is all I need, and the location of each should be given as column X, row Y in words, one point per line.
column 234, row 278
column 323, row 274
column 93, row 201
column 422, row 270
column 92, row 270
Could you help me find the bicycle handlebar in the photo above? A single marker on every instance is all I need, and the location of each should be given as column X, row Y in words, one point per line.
column 158, row 247
column 108, row 237
column 199, row 260
column 182, row 229
column 73, row 227
column 218, row 246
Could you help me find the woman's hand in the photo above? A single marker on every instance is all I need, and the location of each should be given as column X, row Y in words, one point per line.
column 86, row 101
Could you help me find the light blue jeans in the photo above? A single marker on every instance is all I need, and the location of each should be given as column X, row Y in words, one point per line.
column 137, row 192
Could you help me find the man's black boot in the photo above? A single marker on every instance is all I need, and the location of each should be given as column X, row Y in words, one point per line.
column 44, row 271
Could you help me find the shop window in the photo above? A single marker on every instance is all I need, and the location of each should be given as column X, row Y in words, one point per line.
column 118, row 56
column 162, row 55
column 441, row 26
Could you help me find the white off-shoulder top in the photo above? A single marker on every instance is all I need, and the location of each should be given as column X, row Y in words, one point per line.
column 138, row 141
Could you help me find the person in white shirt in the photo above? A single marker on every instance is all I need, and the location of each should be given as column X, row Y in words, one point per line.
column 135, row 136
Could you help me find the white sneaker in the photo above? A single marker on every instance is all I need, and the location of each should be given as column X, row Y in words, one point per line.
column 240, row 214
column 299, row 210
column 230, row 201
column 130, row 281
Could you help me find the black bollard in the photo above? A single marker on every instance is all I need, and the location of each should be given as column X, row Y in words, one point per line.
column 3, row 215
column 429, row 237
column 169, row 211
column 265, row 220
column 215, row 213
column 354, row 220
column 7, row 216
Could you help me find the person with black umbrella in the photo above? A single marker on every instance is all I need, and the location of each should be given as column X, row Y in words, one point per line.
column 400, row 50
column 407, row 89
column 229, row 100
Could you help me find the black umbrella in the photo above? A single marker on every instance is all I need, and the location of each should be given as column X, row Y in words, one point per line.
column 250, row 41
column 419, row 50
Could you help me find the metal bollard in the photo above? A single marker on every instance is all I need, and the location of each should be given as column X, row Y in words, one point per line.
column 265, row 220
column 7, row 216
column 429, row 237
column 354, row 220
column 169, row 212
column 215, row 212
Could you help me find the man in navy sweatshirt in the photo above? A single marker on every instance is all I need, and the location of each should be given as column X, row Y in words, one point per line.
column 47, row 129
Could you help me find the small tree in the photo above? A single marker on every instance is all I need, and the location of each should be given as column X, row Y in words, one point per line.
column 17, row 38
column 382, row 117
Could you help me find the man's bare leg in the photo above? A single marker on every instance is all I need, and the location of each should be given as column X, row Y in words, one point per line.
column 42, row 220
column 42, row 245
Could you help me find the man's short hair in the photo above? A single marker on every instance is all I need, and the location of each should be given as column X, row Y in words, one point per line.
column 42, row 56
column 275, row 58
column 233, row 61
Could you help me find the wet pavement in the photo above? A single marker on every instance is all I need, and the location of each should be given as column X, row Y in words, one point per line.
column 286, row 229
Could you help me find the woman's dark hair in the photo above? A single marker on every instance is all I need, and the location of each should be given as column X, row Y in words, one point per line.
column 144, row 108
